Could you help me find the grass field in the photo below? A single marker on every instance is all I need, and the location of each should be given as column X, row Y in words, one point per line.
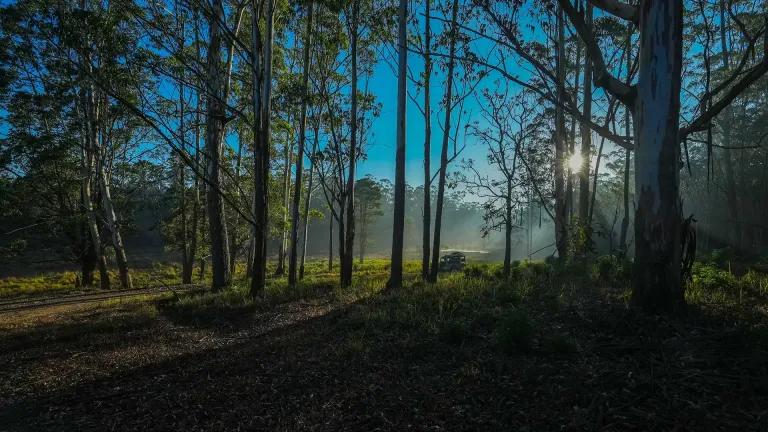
column 549, row 349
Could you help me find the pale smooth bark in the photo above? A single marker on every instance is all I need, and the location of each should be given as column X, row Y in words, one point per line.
column 300, row 153
column 658, row 218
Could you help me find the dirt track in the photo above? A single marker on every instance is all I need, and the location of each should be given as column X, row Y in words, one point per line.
column 19, row 304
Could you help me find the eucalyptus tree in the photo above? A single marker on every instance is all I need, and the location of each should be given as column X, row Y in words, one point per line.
column 398, row 223
column 295, row 221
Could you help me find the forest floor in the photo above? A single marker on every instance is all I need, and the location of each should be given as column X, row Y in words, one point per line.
column 468, row 353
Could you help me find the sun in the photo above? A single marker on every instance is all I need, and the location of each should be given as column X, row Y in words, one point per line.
column 574, row 162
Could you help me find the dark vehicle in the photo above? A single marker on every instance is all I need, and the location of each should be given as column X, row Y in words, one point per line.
column 454, row 261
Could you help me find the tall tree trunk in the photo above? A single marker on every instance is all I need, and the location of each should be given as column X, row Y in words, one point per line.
column 435, row 267
column 349, row 241
column 427, row 210
column 657, row 280
column 234, row 239
column 330, row 242
column 627, row 154
column 571, row 138
column 363, row 233
column 93, row 226
column 398, row 222
column 288, row 157
column 586, row 136
column 508, row 229
column 187, row 278
column 111, row 222
column 300, row 156
column 186, row 267
column 215, row 114
column 262, row 97
column 561, row 229
column 731, row 196
column 307, row 201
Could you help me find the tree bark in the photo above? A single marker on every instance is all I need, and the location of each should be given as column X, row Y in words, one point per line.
column 627, row 153
column 235, row 231
column 86, row 172
column 586, row 136
column 731, row 197
column 561, row 229
column 196, row 193
column 657, row 279
column 435, row 267
column 215, row 114
column 112, row 225
column 330, row 242
column 288, row 157
column 262, row 95
column 349, row 240
column 307, row 202
column 398, row 223
column 300, row 156
column 427, row 210
column 507, row 269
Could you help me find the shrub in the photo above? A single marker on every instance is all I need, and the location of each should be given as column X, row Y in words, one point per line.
column 609, row 269
column 515, row 332
column 709, row 277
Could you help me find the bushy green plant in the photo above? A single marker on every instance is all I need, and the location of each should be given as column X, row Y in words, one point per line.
column 515, row 332
column 611, row 270
column 709, row 277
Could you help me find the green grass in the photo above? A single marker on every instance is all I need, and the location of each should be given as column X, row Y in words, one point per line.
column 66, row 282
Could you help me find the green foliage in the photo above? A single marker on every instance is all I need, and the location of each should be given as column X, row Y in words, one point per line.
column 610, row 270
column 709, row 277
column 515, row 332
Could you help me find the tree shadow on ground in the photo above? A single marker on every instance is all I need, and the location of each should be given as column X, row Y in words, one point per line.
column 348, row 370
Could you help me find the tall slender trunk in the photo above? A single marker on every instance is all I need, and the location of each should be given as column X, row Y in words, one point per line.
column 571, row 138
column 427, row 210
column 187, row 278
column 307, row 201
column 86, row 194
column 235, row 231
column 112, row 225
column 561, row 229
column 508, row 229
column 330, row 242
column 444, row 151
column 215, row 114
column 627, row 154
column 398, row 222
column 349, row 241
column 288, row 157
column 657, row 279
column 262, row 97
column 586, row 136
column 363, row 233
column 186, row 267
column 300, row 155
column 726, row 121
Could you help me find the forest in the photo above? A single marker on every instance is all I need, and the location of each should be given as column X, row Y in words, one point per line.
column 384, row 215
